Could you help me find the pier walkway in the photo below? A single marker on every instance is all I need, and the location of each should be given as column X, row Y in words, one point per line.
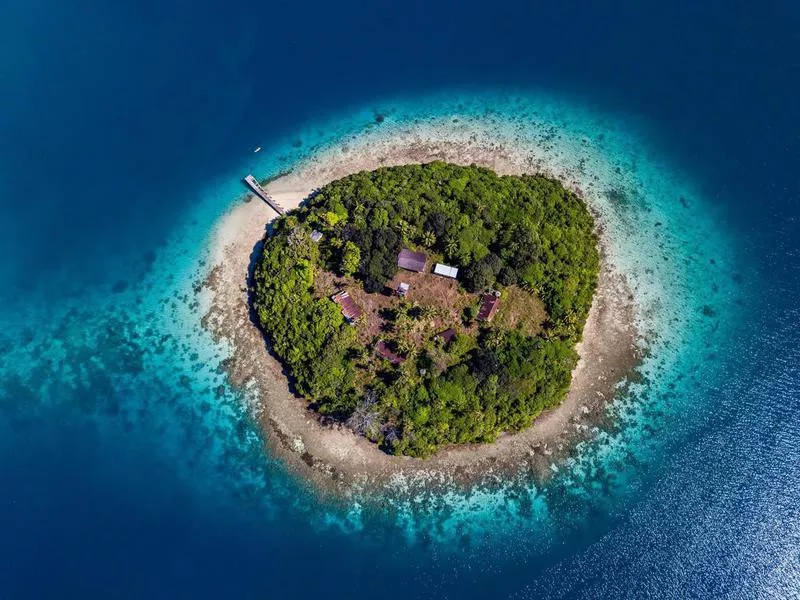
column 253, row 184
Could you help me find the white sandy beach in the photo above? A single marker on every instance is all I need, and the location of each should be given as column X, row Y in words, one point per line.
column 331, row 454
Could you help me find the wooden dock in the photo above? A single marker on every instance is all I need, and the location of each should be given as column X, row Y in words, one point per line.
column 253, row 184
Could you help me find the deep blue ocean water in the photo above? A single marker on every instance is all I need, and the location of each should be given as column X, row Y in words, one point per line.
column 128, row 468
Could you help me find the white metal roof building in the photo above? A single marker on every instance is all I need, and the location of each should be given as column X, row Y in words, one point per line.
column 445, row 270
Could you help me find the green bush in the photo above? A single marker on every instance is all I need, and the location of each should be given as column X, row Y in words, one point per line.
column 526, row 230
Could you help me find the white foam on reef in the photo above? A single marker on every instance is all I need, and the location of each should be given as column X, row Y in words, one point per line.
column 662, row 235
column 683, row 308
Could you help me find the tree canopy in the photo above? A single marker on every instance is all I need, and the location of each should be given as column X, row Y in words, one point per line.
column 523, row 231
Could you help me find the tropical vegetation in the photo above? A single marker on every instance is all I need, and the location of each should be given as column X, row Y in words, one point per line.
column 525, row 237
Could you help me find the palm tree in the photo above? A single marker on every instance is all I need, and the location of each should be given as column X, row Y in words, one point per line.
column 404, row 228
column 451, row 247
column 405, row 347
column 428, row 312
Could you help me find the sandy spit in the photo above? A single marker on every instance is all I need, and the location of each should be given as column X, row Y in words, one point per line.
column 331, row 456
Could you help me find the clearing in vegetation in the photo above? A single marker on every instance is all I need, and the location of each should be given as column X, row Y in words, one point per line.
column 390, row 375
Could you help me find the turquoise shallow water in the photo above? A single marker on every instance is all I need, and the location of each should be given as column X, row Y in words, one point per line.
column 126, row 365
column 142, row 340
column 130, row 468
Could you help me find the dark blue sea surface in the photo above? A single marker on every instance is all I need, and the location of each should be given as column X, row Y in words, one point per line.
column 128, row 468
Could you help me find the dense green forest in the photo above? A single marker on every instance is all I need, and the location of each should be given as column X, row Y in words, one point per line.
column 528, row 232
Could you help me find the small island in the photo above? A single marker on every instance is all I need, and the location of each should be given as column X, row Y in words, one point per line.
column 429, row 305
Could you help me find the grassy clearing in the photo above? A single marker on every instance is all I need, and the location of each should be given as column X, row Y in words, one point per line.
column 520, row 310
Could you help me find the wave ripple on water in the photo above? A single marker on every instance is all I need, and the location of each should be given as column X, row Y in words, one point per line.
column 130, row 363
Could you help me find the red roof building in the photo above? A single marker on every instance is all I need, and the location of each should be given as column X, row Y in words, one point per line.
column 447, row 335
column 412, row 261
column 350, row 310
column 489, row 305
column 383, row 350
